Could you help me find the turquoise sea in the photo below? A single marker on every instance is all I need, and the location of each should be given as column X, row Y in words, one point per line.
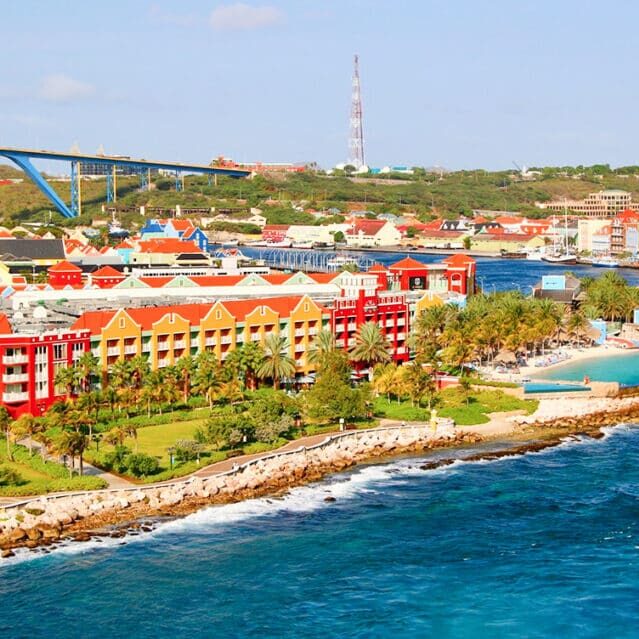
column 618, row 367
column 536, row 545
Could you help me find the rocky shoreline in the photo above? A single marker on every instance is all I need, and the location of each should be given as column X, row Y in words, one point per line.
column 46, row 521
column 49, row 521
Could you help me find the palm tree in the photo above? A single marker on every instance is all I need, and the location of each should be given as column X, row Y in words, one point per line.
column 5, row 427
column 28, row 426
column 120, row 374
column 245, row 361
column 277, row 362
column 384, row 377
column 323, row 344
column 132, row 431
column 66, row 377
column 186, row 367
column 74, row 443
column 116, row 436
column 87, row 367
column 139, row 368
column 371, row 347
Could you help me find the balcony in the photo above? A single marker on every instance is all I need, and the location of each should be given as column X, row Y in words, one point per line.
column 163, row 362
column 210, row 341
column 400, row 350
column 43, row 359
column 130, row 349
column 146, row 347
column 95, row 352
column 15, row 377
column 313, row 331
column 15, row 397
column 181, row 343
column 352, row 326
column 299, row 332
column 300, row 362
column 21, row 358
column 256, row 337
column 226, row 339
column 339, row 343
column 401, row 321
column 113, row 350
column 163, row 346
column 300, row 347
column 352, row 341
column 401, row 336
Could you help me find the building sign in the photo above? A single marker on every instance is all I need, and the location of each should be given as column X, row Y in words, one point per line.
column 553, row 283
column 416, row 283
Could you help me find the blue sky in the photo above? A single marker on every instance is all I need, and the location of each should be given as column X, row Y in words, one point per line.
column 461, row 84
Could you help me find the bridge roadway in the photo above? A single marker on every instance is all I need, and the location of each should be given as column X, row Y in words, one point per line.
column 23, row 159
column 110, row 160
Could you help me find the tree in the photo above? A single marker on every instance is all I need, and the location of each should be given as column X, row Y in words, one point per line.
column 246, row 361
column 277, row 362
column 186, row 367
column 208, row 377
column 28, row 426
column 87, row 367
column 66, row 377
column 73, row 443
column 467, row 242
column 141, row 465
column 419, row 383
column 5, row 427
column 323, row 344
column 371, row 346
column 116, row 436
column 465, row 387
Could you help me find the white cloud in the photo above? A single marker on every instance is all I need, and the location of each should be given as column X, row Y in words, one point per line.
column 240, row 16
column 59, row 87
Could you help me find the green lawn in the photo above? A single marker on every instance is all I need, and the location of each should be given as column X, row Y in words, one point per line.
column 451, row 402
column 38, row 476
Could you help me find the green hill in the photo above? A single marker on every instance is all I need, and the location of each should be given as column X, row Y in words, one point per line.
column 428, row 194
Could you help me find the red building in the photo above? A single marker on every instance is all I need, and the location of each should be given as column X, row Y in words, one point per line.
column 364, row 303
column 107, row 277
column 29, row 363
column 455, row 274
column 64, row 274
column 461, row 272
column 275, row 232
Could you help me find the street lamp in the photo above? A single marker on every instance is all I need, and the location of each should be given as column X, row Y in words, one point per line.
column 341, row 423
column 171, row 452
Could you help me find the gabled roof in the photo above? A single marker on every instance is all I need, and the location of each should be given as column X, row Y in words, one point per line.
column 378, row 268
column 408, row 263
column 34, row 249
column 5, row 325
column 64, row 267
column 182, row 225
column 628, row 216
column 459, row 259
column 124, row 244
column 108, row 271
column 367, row 227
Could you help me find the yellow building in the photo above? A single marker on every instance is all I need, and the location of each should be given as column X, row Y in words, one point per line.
column 165, row 334
column 506, row 242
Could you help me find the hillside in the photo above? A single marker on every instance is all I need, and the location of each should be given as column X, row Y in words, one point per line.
column 427, row 194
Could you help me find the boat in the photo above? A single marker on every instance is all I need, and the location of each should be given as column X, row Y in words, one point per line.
column 302, row 244
column 535, row 255
column 560, row 258
column 115, row 230
column 280, row 244
column 607, row 261
column 339, row 262
column 513, row 255
column 560, row 254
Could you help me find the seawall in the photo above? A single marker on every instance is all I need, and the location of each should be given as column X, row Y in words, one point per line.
column 49, row 519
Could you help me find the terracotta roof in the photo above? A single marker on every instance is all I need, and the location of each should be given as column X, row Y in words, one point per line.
column 168, row 245
column 323, row 278
column 94, row 321
column 108, row 271
column 216, row 280
column 408, row 263
column 459, row 259
column 378, row 268
column 5, row 325
column 628, row 216
column 507, row 219
column 156, row 282
column 64, row 267
column 182, row 225
column 276, row 227
column 124, row 245
column 367, row 227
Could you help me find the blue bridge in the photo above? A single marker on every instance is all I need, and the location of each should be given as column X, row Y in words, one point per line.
column 23, row 159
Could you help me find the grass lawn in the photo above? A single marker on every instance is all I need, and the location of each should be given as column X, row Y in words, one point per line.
column 453, row 404
column 401, row 412
column 37, row 476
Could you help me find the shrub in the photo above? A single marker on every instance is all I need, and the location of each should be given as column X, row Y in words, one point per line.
column 116, row 459
column 139, row 464
column 9, row 477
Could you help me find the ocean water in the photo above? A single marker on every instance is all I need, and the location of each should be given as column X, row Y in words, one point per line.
column 493, row 273
column 618, row 367
column 539, row 545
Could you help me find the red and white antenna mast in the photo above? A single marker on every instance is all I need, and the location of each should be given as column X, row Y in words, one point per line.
column 356, row 140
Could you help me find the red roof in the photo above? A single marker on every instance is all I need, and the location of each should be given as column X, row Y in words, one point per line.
column 146, row 317
column 5, row 325
column 459, row 259
column 507, row 219
column 124, row 245
column 107, row 271
column 367, row 227
column 182, row 225
column 276, row 227
column 168, row 245
column 628, row 216
column 378, row 268
column 323, row 278
column 64, row 267
column 408, row 263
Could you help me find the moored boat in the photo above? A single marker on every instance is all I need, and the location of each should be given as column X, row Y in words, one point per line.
column 606, row 262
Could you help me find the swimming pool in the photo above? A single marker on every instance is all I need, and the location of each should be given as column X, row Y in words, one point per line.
column 545, row 387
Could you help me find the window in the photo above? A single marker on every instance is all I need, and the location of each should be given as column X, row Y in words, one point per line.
column 122, row 322
column 59, row 351
column 218, row 314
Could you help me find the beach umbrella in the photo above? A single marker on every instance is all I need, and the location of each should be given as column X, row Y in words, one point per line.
column 592, row 333
column 506, row 357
